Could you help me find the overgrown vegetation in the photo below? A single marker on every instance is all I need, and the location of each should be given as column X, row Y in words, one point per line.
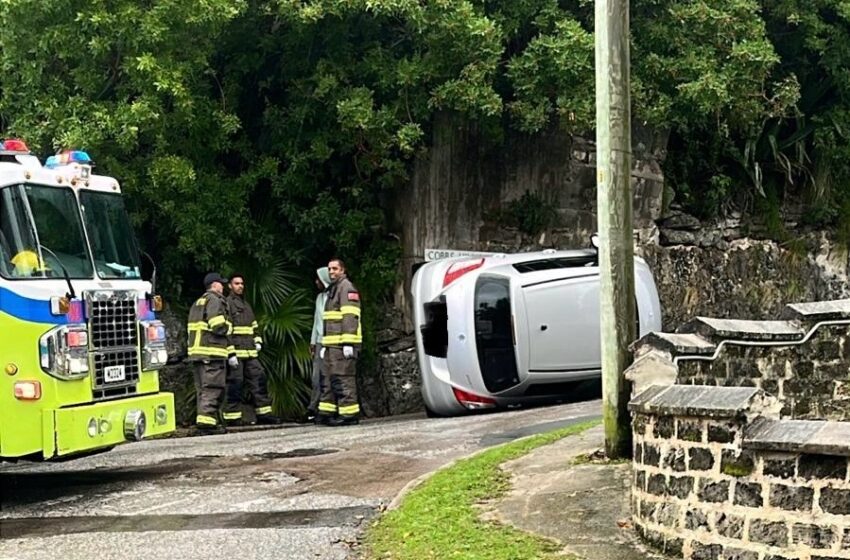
column 449, row 502
column 529, row 213
column 274, row 131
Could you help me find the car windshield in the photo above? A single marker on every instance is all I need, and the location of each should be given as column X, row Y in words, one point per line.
column 40, row 232
column 113, row 242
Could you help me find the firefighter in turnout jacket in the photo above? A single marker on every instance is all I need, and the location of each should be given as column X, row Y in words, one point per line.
column 210, row 350
column 340, row 346
column 247, row 341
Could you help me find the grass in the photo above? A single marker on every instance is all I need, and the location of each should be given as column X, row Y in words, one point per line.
column 439, row 519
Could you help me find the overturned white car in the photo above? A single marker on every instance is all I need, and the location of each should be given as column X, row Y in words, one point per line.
column 505, row 330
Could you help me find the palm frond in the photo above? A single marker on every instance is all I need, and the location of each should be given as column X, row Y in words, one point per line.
column 285, row 315
column 271, row 284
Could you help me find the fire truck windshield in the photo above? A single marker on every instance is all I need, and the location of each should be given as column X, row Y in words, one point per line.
column 40, row 232
column 112, row 240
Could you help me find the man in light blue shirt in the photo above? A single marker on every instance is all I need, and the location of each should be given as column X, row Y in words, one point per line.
column 323, row 280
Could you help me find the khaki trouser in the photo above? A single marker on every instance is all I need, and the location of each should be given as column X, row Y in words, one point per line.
column 248, row 373
column 339, row 385
column 209, row 389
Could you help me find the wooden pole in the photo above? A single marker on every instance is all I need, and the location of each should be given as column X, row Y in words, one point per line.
column 614, row 204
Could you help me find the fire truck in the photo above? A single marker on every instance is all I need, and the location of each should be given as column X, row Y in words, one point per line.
column 80, row 342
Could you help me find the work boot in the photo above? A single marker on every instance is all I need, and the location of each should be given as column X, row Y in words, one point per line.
column 235, row 423
column 307, row 418
column 269, row 419
column 209, row 430
column 324, row 420
column 344, row 421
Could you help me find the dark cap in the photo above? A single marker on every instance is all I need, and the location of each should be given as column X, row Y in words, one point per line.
column 213, row 277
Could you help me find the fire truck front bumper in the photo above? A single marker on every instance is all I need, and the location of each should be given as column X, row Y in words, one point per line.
column 82, row 429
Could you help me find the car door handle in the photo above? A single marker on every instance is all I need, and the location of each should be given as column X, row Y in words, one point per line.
column 544, row 327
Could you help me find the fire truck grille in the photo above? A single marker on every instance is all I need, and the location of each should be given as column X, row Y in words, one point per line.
column 114, row 340
column 116, row 369
column 113, row 319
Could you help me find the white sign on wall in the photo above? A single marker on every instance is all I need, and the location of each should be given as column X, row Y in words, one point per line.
column 437, row 254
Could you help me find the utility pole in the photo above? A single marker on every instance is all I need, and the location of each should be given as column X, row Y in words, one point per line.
column 614, row 215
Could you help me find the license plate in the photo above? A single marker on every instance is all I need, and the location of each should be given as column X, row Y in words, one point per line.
column 111, row 374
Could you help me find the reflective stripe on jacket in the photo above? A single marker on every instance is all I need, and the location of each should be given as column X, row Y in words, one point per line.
column 342, row 315
column 246, row 331
column 209, row 328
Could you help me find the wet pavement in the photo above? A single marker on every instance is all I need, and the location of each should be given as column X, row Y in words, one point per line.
column 300, row 492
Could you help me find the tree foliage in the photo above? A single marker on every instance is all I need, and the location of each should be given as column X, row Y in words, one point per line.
column 272, row 131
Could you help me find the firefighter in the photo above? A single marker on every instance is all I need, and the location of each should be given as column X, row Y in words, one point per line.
column 247, row 341
column 340, row 346
column 210, row 350
column 323, row 280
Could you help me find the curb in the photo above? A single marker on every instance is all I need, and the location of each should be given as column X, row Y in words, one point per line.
column 395, row 503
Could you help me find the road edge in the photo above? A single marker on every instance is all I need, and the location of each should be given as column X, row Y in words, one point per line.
column 416, row 482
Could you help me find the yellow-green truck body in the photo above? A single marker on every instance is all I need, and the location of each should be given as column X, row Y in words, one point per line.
column 80, row 344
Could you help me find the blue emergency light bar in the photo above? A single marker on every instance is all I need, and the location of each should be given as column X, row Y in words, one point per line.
column 67, row 157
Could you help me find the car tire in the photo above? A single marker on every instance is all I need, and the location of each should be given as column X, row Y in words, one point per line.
column 432, row 414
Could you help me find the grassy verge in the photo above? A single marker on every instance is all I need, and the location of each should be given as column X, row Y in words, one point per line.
column 438, row 520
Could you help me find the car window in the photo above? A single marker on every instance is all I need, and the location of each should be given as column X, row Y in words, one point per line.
column 556, row 263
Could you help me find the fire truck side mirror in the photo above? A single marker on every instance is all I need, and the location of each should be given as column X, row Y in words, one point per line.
column 60, row 305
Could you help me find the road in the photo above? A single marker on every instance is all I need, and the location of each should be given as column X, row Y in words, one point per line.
column 294, row 492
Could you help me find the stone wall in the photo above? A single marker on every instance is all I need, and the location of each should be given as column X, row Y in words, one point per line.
column 812, row 379
column 177, row 376
column 463, row 185
column 725, row 271
column 803, row 359
column 730, row 267
column 717, row 476
column 395, row 388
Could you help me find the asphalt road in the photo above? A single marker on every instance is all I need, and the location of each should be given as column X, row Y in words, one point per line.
column 294, row 492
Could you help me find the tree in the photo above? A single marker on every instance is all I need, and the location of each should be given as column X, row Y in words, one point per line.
column 271, row 131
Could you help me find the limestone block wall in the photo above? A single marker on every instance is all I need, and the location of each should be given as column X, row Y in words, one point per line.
column 718, row 476
column 811, row 379
column 803, row 358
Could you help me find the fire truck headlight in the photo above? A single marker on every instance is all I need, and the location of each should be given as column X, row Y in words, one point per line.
column 154, row 353
column 63, row 352
column 77, row 365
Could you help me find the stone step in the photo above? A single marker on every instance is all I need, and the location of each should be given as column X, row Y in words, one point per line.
column 799, row 436
column 702, row 401
column 677, row 344
column 816, row 311
column 716, row 330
